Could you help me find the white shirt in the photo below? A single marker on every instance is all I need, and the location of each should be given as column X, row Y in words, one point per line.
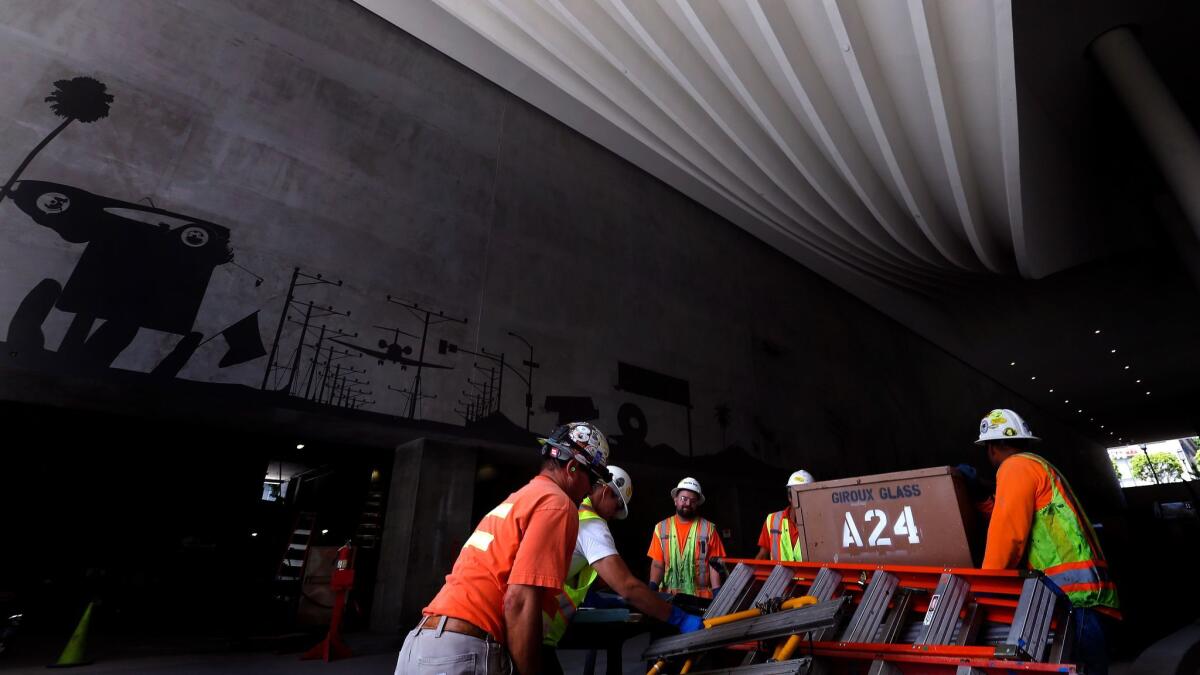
column 594, row 542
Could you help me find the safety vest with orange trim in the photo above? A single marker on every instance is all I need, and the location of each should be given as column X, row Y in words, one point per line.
column 1063, row 545
column 782, row 548
column 575, row 589
column 687, row 569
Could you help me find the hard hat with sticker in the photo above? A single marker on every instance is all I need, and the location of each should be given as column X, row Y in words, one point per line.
column 1003, row 424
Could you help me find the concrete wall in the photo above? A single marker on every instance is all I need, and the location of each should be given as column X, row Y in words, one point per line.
column 325, row 139
column 431, row 483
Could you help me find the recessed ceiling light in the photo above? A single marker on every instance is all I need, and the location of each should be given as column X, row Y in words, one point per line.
column 324, row 531
column 1091, row 419
column 1097, row 331
column 1051, row 391
column 1013, row 363
column 1126, row 367
column 1080, row 410
column 1138, row 381
column 1066, row 400
column 1147, row 393
column 253, row 534
column 299, row 446
column 1110, row 433
column 1033, row 377
column 1101, row 426
column 1113, row 351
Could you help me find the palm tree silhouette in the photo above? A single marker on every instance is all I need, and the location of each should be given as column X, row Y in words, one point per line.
column 82, row 98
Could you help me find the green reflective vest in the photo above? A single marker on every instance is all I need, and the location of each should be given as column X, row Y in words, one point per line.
column 686, row 570
column 782, row 548
column 1063, row 545
column 574, row 590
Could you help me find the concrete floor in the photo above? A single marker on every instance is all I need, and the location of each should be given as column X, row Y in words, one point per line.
column 376, row 657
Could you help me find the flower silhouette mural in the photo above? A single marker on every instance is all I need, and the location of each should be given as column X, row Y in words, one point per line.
column 82, row 99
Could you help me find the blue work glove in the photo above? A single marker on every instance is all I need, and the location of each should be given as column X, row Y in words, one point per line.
column 654, row 586
column 686, row 623
column 976, row 490
column 968, row 472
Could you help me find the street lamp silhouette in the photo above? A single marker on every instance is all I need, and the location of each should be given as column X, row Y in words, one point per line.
column 446, row 347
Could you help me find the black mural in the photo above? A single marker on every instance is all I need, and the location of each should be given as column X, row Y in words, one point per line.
column 392, row 352
column 134, row 273
column 142, row 267
column 572, row 408
column 82, row 99
column 145, row 267
column 646, row 382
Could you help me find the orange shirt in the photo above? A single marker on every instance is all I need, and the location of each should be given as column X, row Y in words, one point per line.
column 528, row 540
column 764, row 537
column 715, row 548
column 1022, row 487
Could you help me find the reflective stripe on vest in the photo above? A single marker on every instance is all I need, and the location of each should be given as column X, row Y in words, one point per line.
column 686, row 570
column 782, row 548
column 574, row 590
column 1063, row 545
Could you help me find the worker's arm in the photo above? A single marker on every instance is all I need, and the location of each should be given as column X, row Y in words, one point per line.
column 523, row 619
column 716, row 549
column 762, row 554
column 616, row 574
column 1017, row 483
column 657, row 570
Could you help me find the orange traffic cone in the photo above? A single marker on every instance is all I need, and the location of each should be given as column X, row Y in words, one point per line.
column 72, row 655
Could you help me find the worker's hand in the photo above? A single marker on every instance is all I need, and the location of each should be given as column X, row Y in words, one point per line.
column 686, row 623
column 968, row 472
column 654, row 586
column 976, row 490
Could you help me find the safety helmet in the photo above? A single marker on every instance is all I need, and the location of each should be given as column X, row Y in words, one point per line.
column 580, row 441
column 689, row 483
column 800, row 477
column 621, row 484
column 1003, row 424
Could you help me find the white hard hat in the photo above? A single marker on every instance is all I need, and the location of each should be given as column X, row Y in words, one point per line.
column 1003, row 424
column 689, row 483
column 621, row 484
column 800, row 478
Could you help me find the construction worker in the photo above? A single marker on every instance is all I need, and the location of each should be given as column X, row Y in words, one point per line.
column 780, row 537
column 596, row 557
column 683, row 544
column 487, row 618
column 1037, row 522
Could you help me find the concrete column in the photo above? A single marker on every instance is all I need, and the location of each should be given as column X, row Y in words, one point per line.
column 428, row 518
column 1169, row 136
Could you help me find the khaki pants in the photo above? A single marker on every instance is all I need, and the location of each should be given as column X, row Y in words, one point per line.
column 434, row 651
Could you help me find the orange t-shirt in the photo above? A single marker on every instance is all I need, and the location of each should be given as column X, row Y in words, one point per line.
column 764, row 537
column 528, row 540
column 715, row 548
column 1022, row 487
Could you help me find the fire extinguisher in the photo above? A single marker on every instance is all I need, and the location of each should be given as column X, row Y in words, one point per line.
column 343, row 572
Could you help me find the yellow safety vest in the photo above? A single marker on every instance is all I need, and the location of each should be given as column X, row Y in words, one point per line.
column 781, row 539
column 574, row 590
column 1063, row 545
column 687, row 570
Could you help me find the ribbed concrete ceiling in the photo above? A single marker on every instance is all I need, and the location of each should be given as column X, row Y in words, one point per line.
column 880, row 135
column 912, row 152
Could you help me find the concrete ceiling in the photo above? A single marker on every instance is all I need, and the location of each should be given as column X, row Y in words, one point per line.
column 922, row 154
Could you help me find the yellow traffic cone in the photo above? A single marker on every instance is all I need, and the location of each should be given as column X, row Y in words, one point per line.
column 72, row 655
